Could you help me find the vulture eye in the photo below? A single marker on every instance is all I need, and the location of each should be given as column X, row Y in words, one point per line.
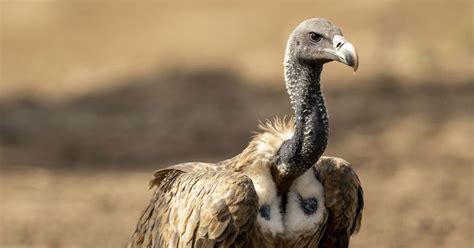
column 315, row 37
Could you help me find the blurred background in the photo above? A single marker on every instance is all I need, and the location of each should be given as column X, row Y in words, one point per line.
column 95, row 96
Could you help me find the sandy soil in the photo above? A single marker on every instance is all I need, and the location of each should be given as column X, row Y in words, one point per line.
column 93, row 156
column 57, row 49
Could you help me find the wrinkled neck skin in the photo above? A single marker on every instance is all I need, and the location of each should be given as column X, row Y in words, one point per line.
column 310, row 137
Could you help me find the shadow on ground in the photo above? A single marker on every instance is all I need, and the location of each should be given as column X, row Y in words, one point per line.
column 202, row 115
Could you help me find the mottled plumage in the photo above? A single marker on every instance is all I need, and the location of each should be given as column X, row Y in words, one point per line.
column 280, row 191
column 215, row 204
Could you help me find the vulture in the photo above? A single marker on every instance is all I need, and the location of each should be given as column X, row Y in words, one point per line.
column 280, row 191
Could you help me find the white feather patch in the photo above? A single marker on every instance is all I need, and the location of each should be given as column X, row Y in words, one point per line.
column 267, row 194
column 307, row 186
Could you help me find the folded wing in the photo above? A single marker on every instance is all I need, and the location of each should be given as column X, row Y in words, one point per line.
column 207, row 208
column 344, row 200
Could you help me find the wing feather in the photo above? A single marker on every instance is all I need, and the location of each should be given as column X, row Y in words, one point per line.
column 197, row 208
column 344, row 200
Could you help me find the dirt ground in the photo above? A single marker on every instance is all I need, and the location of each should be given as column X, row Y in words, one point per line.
column 93, row 156
column 89, row 109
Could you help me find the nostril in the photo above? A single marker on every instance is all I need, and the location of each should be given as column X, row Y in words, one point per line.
column 339, row 44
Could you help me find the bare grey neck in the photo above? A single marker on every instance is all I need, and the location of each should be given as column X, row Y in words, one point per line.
column 310, row 138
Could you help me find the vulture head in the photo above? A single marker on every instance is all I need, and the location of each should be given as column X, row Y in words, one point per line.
column 317, row 41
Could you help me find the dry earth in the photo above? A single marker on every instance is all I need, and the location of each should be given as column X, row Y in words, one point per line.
column 94, row 155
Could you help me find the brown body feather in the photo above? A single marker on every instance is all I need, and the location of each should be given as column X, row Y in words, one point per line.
column 216, row 205
column 343, row 198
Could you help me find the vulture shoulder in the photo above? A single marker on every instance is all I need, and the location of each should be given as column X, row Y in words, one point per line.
column 344, row 200
column 197, row 208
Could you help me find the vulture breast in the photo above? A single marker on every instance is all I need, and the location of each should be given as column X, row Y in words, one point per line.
column 304, row 213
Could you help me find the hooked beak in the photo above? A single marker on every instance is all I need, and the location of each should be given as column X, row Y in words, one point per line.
column 344, row 51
